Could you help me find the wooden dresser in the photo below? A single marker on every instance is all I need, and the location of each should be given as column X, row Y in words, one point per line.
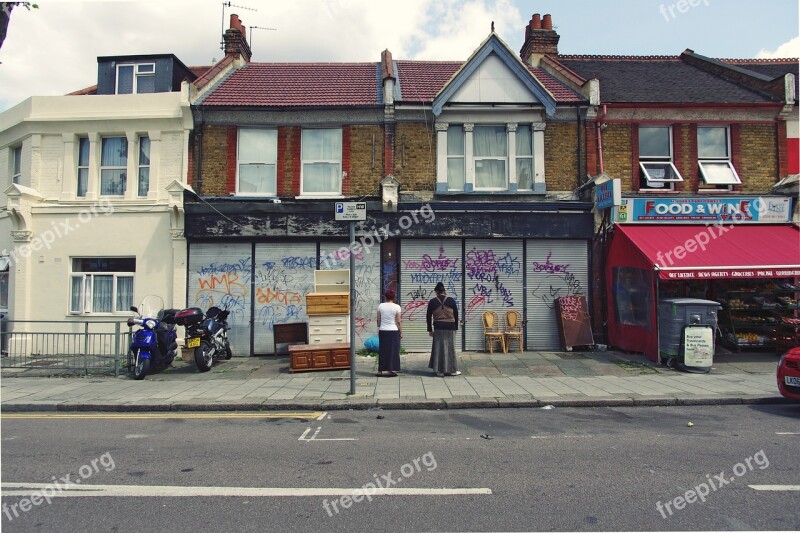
column 305, row 357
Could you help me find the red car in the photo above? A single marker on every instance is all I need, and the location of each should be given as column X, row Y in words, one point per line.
column 789, row 374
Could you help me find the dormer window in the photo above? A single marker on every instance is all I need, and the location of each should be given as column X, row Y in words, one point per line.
column 655, row 159
column 136, row 78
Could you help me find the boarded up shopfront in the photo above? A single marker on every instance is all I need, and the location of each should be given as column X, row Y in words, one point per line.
column 269, row 282
column 491, row 275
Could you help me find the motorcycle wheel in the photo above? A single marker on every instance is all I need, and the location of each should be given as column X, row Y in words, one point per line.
column 228, row 352
column 141, row 369
column 203, row 357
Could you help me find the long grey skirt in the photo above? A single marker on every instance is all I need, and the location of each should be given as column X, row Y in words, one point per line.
column 443, row 354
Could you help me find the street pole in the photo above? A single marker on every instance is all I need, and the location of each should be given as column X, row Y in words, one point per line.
column 352, row 309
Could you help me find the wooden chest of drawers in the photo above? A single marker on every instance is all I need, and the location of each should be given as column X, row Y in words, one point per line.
column 304, row 357
column 327, row 303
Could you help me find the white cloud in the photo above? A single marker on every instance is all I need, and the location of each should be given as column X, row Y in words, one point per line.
column 790, row 48
column 53, row 50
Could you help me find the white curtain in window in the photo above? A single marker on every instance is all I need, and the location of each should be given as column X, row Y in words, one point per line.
column 124, row 293
column 321, row 153
column 114, row 154
column 258, row 155
column 103, row 294
column 524, row 151
column 76, row 298
column 456, row 175
column 490, row 150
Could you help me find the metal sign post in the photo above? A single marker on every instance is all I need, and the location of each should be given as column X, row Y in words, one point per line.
column 352, row 211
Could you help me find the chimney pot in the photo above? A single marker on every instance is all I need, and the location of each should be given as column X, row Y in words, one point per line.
column 536, row 22
column 547, row 22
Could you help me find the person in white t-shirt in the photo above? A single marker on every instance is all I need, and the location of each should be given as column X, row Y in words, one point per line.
column 390, row 331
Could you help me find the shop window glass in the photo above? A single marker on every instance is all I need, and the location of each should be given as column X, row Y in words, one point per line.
column 632, row 296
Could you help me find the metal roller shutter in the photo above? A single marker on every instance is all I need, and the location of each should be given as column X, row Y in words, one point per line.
column 493, row 270
column 219, row 274
column 422, row 264
column 555, row 268
column 367, row 284
column 284, row 274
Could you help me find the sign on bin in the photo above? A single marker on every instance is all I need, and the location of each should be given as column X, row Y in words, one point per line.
column 698, row 343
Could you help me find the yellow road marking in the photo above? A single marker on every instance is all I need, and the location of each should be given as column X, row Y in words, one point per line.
column 128, row 416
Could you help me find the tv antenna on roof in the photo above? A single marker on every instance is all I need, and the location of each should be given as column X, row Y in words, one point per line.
column 229, row 4
column 250, row 39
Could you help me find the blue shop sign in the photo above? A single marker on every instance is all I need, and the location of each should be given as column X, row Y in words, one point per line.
column 738, row 209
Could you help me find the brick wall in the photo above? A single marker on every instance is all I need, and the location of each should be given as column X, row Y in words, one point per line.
column 758, row 163
column 617, row 151
column 366, row 143
column 215, row 161
column 415, row 156
column 561, row 156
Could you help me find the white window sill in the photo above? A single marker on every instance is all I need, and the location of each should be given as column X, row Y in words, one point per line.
column 320, row 197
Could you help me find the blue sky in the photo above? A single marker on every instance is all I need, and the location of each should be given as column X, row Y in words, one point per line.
column 53, row 50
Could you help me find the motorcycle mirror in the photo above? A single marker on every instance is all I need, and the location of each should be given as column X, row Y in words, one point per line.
column 134, row 309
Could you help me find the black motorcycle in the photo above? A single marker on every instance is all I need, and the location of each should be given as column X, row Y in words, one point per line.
column 206, row 334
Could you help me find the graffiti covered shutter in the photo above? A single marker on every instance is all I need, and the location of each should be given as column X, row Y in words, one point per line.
column 336, row 256
column 284, row 274
column 219, row 275
column 423, row 263
column 555, row 268
column 493, row 273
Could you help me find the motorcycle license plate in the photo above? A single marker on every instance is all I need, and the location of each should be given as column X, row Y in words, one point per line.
column 193, row 343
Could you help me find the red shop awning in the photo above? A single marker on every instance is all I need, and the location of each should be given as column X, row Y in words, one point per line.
column 718, row 252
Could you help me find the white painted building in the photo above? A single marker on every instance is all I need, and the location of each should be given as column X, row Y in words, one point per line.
column 92, row 187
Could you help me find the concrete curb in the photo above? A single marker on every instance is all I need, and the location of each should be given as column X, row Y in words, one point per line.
column 391, row 404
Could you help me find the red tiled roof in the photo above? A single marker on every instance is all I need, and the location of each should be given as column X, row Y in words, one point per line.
column 88, row 90
column 299, row 84
column 205, row 77
column 420, row 81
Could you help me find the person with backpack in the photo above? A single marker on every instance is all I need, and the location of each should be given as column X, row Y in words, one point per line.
column 442, row 320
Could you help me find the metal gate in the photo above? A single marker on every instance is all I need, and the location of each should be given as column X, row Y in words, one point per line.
column 283, row 275
column 423, row 263
column 219, row 274
column 336, row 255
column 555, row 268
column 493, row 273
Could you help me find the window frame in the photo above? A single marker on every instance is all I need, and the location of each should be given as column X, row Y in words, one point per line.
column 258, row 161
column 651, row 182
column 462, row 157
column 504, row 159
column 141, row 166
column 136, row 74
column 16, row 164
column 86, row 304
column 304, row 162
column 114, row 167
column 526, row 157
column 82, row 166
column 702, row 162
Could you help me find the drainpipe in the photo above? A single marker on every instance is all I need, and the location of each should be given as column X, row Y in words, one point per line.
column 200, row 152
column 578, row 139
column 600, row 136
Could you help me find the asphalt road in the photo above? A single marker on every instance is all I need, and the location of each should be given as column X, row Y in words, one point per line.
column 456, row 470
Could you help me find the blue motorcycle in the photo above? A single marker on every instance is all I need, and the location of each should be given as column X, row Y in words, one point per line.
column 154, row 346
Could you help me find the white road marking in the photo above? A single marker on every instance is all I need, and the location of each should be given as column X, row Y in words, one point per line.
column 136, row 436
column 775, row 487
column 151, row 491
column 314, row 436
column 787, row 433
column 127, row 416
column 561, row 436
column 322, row 416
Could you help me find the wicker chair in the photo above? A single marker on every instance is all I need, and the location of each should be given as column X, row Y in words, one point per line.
column 492, row 333
column 512, row 331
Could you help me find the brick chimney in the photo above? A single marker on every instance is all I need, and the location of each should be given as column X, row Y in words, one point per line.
column 235, row 39
column 540, row 40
